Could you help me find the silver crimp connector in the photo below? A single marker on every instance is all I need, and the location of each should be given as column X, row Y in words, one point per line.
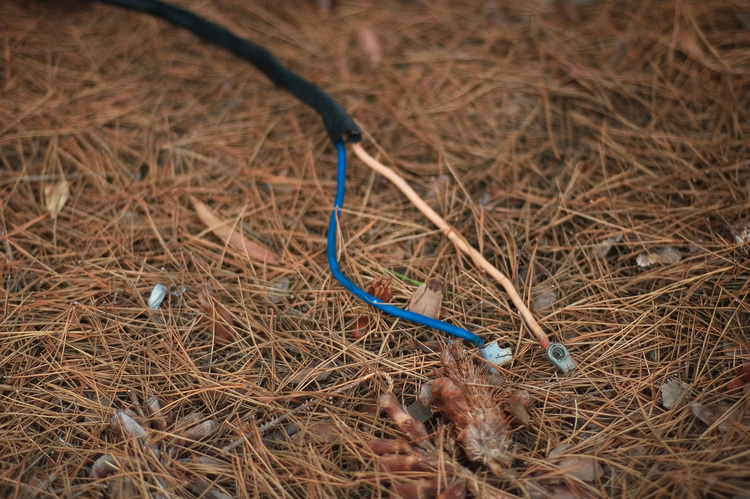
column 559, row 356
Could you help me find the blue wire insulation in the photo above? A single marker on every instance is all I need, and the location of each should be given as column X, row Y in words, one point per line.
column 362, row 294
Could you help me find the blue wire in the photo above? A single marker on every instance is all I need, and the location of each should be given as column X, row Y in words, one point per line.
column 362, row 294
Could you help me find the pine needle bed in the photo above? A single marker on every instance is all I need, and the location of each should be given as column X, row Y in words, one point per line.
column 598, row 155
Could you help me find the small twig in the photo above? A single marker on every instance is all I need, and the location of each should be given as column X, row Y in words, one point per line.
column 458, row 240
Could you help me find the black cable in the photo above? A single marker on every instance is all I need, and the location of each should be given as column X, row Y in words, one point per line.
column 341, row 128
column 339, row 125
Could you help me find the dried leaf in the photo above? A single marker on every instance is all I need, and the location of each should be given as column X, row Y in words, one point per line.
column 543, row 296
column 428, row 298
column 55, row 197
column 191, row 419
column 323, row 370
column 673, row 393
column 584, row 468
column 517, row 409
column 278, row 290
column 455, row 491
column 556, row 491
column 370, row 44
column 728, row 415
column 193, row 427
column 361, row 327
column 218, row 319
column 205, row 489
column 224, row 231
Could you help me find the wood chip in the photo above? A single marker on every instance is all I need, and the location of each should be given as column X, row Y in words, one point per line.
column 55, row 197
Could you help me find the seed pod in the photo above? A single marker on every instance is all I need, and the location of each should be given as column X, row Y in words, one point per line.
column 128, row 427
column 157, row 296
column 159, row 421
column 199, row 431
column 428, row 298
column 104, row 466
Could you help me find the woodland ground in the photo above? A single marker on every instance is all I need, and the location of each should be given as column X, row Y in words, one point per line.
column 598, row 155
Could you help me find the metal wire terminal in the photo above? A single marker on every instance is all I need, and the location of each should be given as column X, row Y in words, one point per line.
column 559, row 356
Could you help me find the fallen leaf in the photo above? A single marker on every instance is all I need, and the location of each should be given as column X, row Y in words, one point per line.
column 428, row 298
column 673, row 393
column 542, row 298
column 408, row 462
column 197, row 432
column 55, row 197
column 729, row 416
column 323, row 370
column 278, row 290
column 584, row 468
column 517, row 409
column 218, row 319
column 158, row 419
column 416, row 488
column 361, row 327
column 557, row 491
column 224, row 231
column 370, row 44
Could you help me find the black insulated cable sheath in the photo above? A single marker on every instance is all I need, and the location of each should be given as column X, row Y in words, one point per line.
column 339, row 125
